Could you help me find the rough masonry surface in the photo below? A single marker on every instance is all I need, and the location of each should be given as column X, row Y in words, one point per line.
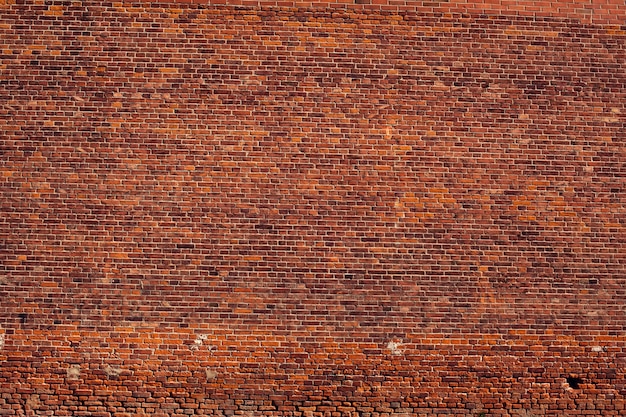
column 333, row 210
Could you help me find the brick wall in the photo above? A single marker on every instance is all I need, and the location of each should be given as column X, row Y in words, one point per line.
column 596, row 11
column 389, row 209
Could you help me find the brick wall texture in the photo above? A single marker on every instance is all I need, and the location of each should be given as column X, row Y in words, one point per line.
column 367, row 208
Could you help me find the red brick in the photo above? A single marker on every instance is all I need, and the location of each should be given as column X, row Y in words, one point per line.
column 375, row 207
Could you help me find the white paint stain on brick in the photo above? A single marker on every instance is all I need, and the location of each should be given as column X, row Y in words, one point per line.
column 1, row 341
column 112, row 371
column 73, row 372
column 199, row 341
column 395, row 347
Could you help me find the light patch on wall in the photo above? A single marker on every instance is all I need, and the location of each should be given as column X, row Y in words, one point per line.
column 112, row 372
column 73, row 372
column 395, row 347
column 199, row 342
column 1, row 341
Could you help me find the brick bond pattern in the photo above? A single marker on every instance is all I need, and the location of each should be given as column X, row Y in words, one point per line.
column 331, row 211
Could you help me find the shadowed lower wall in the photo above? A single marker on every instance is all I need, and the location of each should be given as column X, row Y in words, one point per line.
column 311, row 211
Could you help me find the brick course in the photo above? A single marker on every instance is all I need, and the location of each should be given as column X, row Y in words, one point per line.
column 261, row 208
